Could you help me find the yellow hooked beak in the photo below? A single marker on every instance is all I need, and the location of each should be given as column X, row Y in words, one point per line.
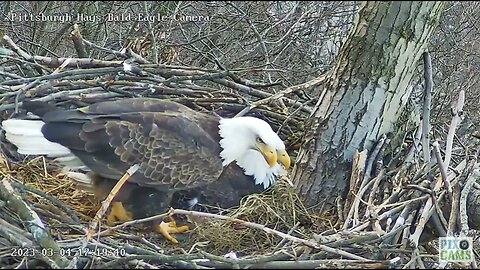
column 268, row 152
column 284, row 159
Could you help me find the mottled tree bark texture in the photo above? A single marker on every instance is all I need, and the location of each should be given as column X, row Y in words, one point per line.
column 364, row 94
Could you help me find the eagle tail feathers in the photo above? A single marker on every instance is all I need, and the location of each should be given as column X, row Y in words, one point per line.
column 27, row 136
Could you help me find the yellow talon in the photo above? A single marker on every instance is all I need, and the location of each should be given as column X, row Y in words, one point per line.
column 167, row 228
column 118, row 213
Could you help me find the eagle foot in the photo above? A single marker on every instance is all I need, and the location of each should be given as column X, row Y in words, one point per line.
column 118, row 213
column 167, row 228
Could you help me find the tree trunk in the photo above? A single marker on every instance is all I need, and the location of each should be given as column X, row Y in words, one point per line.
column 364, row 95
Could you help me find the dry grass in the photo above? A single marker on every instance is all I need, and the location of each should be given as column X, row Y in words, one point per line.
column 279, row 209
column 46, row 177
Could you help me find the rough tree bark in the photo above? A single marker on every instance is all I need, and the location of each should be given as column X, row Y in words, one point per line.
column 364, row 93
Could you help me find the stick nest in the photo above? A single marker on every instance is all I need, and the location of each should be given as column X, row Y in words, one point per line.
column 390, row 207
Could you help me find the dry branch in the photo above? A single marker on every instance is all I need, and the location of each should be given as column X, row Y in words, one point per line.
column 77, row 39
column 268, row 230
column 56, row 62
column 427, row 69
column 456, row 119
column 33, row 223
column 108, row 200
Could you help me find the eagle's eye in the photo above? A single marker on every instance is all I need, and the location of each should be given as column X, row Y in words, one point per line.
column 259, row 140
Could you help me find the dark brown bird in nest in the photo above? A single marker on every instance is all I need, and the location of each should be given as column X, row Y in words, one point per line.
column 185, row 157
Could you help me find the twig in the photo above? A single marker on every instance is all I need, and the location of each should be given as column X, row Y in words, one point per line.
column 152, row 35
column 404, row 203
column 33, row 223
column 356, row 204
column 401, row 221
column 427, row 211
column 271, row 231
column 443, row 169
column 439, row 220
column 151, row 258
column 109, row 69
column 124, row 53
column 291, row 89
column 246, row 261
column 77, row 39
column 406, row 234
column 427, row 101
column 353, row 212
column 373, row 192
column 456, row 119
column 414, row 149
column 252, row 83
column 425, row 216
column 371, row 159
column 14, row 235
column 55, row 62
column 454, row 211
column 106, row 203
column 329, row 264
column 358, row 167
column 289, row 233
column 130, row 223
column 413, row 260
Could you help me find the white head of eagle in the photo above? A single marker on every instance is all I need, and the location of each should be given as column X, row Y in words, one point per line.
column 255, row 147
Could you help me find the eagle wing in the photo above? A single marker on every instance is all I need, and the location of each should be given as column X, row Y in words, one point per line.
column 175, row 147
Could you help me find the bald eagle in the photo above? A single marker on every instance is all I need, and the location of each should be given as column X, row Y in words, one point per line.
column 185, row 157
